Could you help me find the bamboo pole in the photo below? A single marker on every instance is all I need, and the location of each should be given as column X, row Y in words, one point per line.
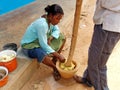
column 74, row 32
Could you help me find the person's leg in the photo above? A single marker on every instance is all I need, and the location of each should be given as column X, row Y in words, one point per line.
column 94, row 56
column 41, row 56
column 102, row 45
column 91, row 74
column 48, row 61
column 38, row 53
column 112, row 39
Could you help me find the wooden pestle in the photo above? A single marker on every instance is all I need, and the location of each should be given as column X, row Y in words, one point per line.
column 74, row 32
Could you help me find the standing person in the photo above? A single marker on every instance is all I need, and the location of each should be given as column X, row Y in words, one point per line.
column 43, row 40
column 106, row 35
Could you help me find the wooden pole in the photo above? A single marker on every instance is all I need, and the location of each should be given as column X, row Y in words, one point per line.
column 74, row 32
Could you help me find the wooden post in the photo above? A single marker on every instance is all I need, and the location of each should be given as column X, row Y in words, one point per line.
column 74, row 32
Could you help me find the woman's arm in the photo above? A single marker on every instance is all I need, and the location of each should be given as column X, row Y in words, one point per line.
column 42, row 28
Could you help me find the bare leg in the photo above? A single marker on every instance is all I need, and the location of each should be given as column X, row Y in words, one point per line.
column 47, row 61
column 52, row 62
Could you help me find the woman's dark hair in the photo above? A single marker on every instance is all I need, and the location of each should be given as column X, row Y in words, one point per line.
column 54, row 9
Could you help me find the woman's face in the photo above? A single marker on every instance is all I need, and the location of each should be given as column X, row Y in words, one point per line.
column 55, row 19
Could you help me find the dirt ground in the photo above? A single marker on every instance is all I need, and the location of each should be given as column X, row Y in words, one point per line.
column 43, row 79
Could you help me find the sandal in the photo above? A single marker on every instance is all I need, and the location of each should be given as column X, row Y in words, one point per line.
column 82, row 80
column 56, row 75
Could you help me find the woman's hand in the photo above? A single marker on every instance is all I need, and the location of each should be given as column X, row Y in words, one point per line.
column 59, row 56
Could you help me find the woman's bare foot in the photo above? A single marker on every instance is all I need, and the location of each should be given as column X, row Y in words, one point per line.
column 56, row 75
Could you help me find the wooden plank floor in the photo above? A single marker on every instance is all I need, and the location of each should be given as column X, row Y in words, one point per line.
column 20, row 76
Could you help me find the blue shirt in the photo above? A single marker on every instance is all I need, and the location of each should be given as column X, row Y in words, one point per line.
column 38, row 30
